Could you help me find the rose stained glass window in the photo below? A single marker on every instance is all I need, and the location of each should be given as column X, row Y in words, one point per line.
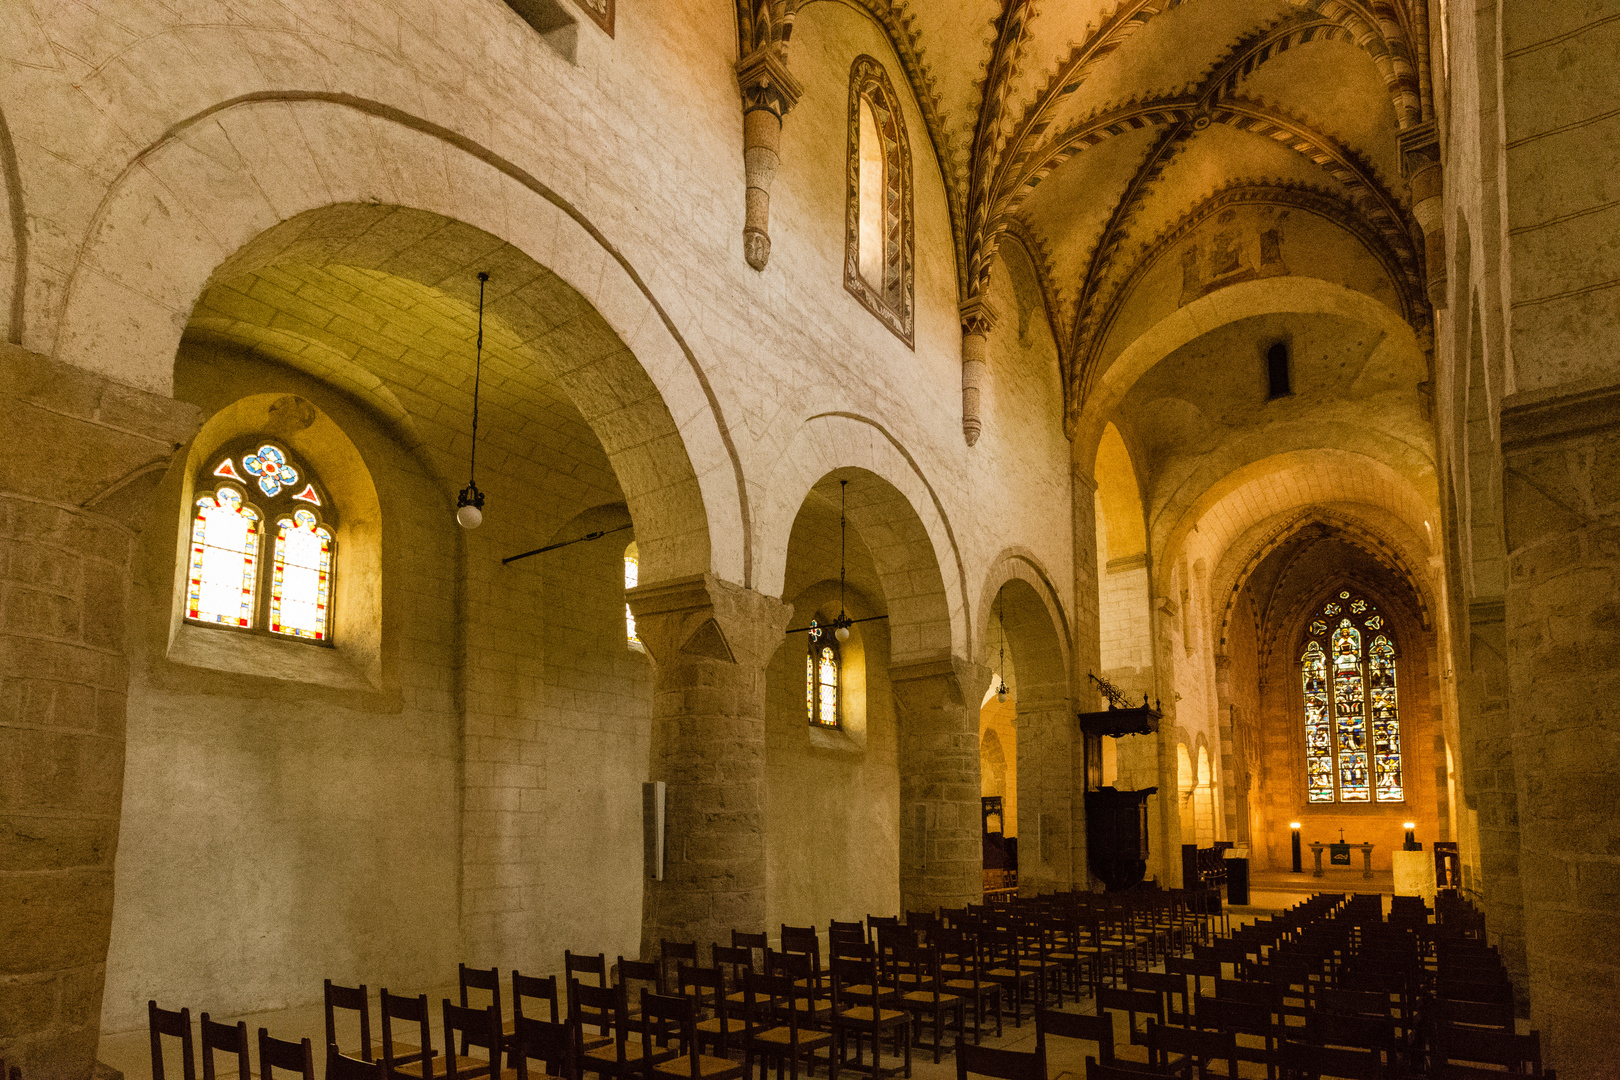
column 224, row 560
column 821, row 677
column 1352, row 718
column 300, row 589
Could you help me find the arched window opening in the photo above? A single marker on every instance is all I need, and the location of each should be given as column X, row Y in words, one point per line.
column 224, row 587
column 871, row 198
column 632, row 574
column 822, row 673
column 1277, row 376
column 1341, row 763
column 878, row 249
column 224, row 559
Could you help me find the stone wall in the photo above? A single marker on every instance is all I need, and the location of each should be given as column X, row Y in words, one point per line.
column 73, row 448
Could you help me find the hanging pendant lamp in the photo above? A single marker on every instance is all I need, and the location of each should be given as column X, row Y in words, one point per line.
column 1001, row 665
column 841, row 624
column 470, row 502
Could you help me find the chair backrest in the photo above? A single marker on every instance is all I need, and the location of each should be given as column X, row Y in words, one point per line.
column 846, row 973
column 1331, row 999
column 535, row 988
column 701, row 979
column 577, row 964
column 477, row 1027
column 1518, row 1053
column 644, row 972
column 489, row 981
column 1258, row 993
column 754, row 943
column 176, row 1025
column 1489, row 1014
column 834, row 926
column 1064, row 1025
column 679, row 954
column 605, row 1004
column 800, row 939
column 891, row 934
column 1249, row 1017
column 734, row 960
column 1002, row 1064
column 1200, row 1045
column 229, row 1039
column 354, row 999
column 1131, row 1002
column 412, row 1010
column 1347, row 1064
column 1361, row 1032
column 339, row 1066
column 538, row 1040
column 766, row 1003
column 276, row 1054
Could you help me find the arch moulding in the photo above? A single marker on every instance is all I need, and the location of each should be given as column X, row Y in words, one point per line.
column 212, row 183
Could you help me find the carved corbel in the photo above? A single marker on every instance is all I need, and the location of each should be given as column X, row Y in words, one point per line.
column 768, row 91
column 978, row 317
column 1420, row 161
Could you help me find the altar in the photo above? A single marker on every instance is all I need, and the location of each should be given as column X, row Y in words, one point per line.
column 1339, row 855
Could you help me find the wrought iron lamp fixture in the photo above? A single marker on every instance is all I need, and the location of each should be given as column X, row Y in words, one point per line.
column 470, row 501
column 840, row 626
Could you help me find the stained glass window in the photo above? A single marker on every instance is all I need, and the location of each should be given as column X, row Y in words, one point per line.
column 821, row 676
column 224, row 583
column 224, row 560
column 300, row 589
column 632, row 574
column 1343, row 761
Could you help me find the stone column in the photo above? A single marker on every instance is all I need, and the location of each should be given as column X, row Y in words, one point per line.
column 79, row 455
column 1561, row 507
column 978, row 318
column 1420, row 161
column 941, row 850
column 710, row 642
column 769, row 91
column 1051, row 829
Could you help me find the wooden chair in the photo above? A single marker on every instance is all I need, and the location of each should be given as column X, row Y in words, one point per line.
column 1303, row 1061
column 582, row 1015
column 1132, row 1003
column 419, row 1066
column 1194, row 1047
column 176, row 1025
column 660, row 1013
column 618, row 1057
column 772, row 1030
column 1472, row 1053
column 732, row 961
column 999, row 957
column 582, row 968
column 707, row 984
column 538, row 1040
column 1242, row 1018
column 357, row 999
column 677, row 953
column 813, row 1007
column 288, row 1056
column 756, row 944
column 228, row 1039
column 1168, row 986
column 914, row 971
column 959, row 964
column 480, row 1028
column 490, row 983
column 862, row 1015
column 1482, row 1014
column 340, row 1066
column 1001, row 1064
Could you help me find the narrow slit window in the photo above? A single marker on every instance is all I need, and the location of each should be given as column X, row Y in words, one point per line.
column 878, row 238
column 632, row 574
column 871, row 199
column 1277, row 379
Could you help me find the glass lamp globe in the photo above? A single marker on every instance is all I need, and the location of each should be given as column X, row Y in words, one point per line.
column 842, row 633
column 469, row 517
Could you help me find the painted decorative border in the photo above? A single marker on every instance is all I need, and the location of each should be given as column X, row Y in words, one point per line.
column 600, row 11
column 894, row 304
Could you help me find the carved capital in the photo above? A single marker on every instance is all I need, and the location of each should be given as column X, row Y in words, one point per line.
column 705, row 618
column 766, row 82
column 1420, row 148
column 978, row 317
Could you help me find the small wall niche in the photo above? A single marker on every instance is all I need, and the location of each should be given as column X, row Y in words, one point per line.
column 552, row 21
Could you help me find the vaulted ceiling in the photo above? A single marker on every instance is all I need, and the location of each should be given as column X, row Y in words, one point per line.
column 1095, row 134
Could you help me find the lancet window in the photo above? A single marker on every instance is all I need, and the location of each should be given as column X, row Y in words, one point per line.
column 822, row 676
column 1352, row 712
column 259, row 489
column 632, row 574
column 878, row 248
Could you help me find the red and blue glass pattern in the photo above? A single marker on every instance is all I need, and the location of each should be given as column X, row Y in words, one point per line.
column 270, row 466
